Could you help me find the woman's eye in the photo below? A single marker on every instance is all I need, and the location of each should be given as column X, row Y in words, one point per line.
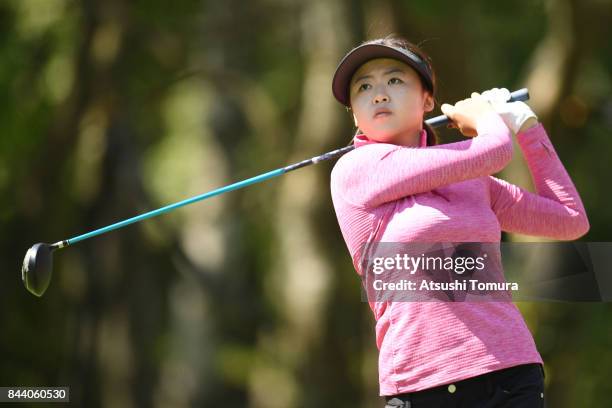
column 395, row 81
column 363, row 87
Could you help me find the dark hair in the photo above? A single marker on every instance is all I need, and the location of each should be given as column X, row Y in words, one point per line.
column 398, row 42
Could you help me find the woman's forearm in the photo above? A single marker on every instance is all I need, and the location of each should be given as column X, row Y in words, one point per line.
column 372, row 175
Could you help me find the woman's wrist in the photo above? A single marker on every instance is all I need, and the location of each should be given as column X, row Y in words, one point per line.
column 528, row 124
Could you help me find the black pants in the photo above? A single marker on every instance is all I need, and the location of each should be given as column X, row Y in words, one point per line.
column 521, row 386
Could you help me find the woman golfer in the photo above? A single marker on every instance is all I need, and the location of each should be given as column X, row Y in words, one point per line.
column 398, row 185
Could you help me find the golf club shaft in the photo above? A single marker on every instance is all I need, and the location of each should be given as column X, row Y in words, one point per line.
column 520, row 95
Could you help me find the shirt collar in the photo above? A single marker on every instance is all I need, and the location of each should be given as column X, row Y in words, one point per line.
column 361, row 139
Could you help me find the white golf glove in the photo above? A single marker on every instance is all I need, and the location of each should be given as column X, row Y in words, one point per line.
column 514, row 114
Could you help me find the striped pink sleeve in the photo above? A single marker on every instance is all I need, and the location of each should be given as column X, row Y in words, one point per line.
column 556, row 211
column 378, row 173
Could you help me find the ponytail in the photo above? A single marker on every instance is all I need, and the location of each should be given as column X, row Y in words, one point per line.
column 432, row 137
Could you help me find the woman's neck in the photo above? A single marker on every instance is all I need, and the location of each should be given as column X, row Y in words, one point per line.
column 409, row 139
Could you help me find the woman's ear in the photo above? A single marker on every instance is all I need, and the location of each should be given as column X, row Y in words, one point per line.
column 428, row 103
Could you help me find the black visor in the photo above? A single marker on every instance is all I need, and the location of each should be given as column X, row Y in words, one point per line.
column 362, row 54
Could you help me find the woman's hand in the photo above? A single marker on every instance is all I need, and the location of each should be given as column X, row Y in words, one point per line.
column 518, row 116
column 466, row 113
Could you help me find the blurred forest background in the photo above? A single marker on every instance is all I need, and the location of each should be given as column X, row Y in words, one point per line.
column 110, row 108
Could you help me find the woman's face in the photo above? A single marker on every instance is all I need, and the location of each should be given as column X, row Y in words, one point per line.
column 389, row 101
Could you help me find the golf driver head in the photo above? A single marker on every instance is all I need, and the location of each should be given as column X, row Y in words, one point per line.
column 37, row 268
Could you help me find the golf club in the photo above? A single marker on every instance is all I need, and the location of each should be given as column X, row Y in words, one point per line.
column 38, row 262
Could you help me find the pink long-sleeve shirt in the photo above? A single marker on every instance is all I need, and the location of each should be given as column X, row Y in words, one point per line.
column 445, row 193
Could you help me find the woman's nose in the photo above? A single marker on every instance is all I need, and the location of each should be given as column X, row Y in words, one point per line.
column 381, row 97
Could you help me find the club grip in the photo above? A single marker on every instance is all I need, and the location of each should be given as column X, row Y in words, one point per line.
column 518, row 95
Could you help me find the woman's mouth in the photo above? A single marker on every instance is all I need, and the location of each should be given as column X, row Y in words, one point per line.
column 382, row 114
